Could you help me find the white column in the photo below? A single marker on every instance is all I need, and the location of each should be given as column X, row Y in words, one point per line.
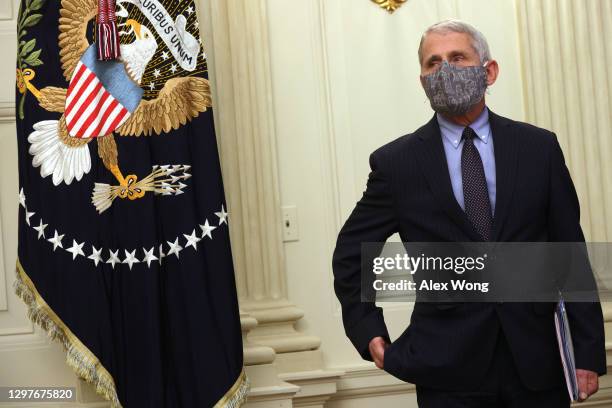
column 245, row 123
column 234, row 88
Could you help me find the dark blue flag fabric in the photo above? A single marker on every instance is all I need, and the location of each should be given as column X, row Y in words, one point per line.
column 124, row 253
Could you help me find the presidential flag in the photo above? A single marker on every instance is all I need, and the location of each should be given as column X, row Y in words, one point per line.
column 124, row 253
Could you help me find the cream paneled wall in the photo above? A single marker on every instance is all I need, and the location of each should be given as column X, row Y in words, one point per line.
column 9, row 323
column 346, row 81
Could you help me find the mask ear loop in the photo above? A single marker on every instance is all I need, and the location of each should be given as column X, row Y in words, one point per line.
column 484, row 65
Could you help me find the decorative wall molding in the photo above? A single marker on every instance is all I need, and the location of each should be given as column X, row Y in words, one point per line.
column 316, row 387
column 7, row 10
column 333, row 120
column 368, row 383
column 7, row 112
column 8, row 39
column 3, row 272
column 365, row 384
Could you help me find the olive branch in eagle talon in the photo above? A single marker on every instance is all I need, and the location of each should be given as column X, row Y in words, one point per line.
column 67, row 158
column 27, row 56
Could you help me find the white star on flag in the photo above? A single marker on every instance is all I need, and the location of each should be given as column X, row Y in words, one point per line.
column 161, row 253
column 148, row 257
column 22, row 198
column 165, row 55
column 189, row 10
column 222, row 215
column 41, row 229
column 152, row 85
column 192, row 240
column 157, row 73
column 76, row 249
column 175, row 248
column 28, row 215
column 56, row 240
column 113, row 258
column 173, row 68
column 130, row 258
column 96, row 255
column 207, row 229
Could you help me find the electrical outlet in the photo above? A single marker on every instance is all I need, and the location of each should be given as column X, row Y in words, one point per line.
column 290, row 224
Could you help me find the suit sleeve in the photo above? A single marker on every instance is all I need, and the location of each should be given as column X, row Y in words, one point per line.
column 372, row 220
column 585, row 318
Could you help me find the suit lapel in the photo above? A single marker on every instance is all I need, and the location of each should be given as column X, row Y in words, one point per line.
column 506, row 158
column 435, row 168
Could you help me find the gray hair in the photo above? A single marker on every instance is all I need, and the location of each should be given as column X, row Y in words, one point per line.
column 479, row 42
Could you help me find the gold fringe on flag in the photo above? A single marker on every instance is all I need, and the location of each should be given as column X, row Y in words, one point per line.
column 237, row 394
column 85, row 364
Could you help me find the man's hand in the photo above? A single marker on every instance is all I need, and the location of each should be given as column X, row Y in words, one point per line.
column 588, row 382
column 377, row 347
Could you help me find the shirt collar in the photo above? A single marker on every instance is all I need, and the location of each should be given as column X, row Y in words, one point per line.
column 452, row 131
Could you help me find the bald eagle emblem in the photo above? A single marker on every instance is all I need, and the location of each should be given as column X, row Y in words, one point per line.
column 142, row 94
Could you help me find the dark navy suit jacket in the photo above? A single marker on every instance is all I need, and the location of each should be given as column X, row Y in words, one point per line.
column 451, row 345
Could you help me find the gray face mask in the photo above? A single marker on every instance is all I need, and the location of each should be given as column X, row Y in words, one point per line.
column 455, row 90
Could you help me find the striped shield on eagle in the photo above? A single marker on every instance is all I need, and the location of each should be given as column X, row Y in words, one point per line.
column 100, row 98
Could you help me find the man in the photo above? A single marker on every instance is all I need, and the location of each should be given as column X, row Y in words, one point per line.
column 469, row 175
